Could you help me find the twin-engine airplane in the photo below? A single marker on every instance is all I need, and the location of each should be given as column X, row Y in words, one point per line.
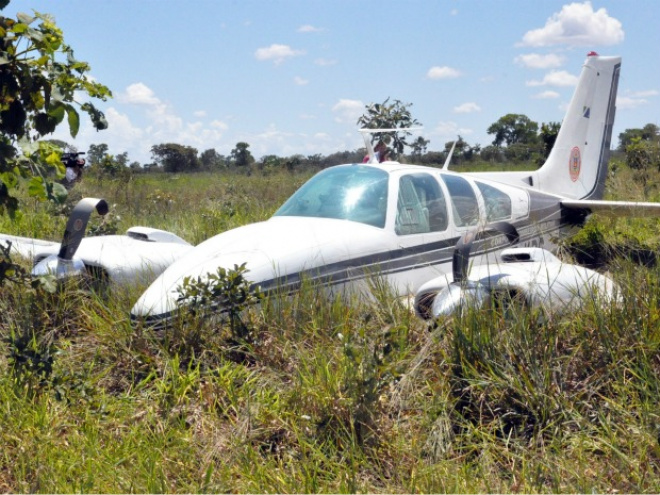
column 396, row 221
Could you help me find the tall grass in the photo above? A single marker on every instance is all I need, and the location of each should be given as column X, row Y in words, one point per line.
column 329, row 394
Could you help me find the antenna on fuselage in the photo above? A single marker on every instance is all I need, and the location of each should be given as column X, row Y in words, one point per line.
column 366, row 135
column 451, row 152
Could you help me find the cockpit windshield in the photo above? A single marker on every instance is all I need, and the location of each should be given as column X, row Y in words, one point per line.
column 351, row 192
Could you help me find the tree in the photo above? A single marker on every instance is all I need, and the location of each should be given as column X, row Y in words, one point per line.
column 514, row 129
column 462, row 151
column 314, row 160
column 492, row 154
column 650, row 132
column 241, row 156
column 548, row 135
column 271, row 162
column 96, row 153
column 395, row 115
column 175, row 158
column 211, row 160
column 419, row 146
column 40, row 81
column 122, row 159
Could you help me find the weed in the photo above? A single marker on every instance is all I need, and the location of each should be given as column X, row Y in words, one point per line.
column 226, row 291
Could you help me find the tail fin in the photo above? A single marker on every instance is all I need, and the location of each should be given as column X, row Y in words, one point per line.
column 577, row 165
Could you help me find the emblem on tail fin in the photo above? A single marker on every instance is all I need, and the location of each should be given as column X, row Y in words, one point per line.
column 574, row 163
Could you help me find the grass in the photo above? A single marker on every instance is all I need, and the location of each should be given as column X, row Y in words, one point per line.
column 328, row 395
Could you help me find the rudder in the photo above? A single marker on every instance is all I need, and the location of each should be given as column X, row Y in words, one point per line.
column 577, row 165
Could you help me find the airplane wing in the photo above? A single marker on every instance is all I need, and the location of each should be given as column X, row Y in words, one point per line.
column 614, row 208
column 75, row 231
column 29, row 248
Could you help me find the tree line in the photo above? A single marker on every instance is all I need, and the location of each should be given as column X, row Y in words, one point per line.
column 517, row 139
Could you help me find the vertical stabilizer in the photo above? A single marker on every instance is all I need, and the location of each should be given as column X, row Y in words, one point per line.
column 577, row 165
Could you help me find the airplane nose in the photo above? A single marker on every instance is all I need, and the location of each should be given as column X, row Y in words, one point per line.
column 156, row 304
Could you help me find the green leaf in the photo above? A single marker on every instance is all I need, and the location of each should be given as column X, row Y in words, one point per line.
column 9, row 178
column 19, row 28
column 59, row 193
column 74, row 120
column 37, row 188
column 97, row 117
column 47, row 283
column 53, row 159
column 56, row 111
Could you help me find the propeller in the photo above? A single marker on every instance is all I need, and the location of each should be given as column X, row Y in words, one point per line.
column 63, row 265
column 461, row 290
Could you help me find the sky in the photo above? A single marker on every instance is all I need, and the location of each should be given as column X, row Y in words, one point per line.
column 293, row 76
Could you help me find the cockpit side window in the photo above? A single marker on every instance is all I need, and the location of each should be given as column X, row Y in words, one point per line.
column 498, row 203
column 463, row 200
column 421, row 206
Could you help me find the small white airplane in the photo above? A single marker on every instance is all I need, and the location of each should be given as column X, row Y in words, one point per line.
column 401, row 222
column 397, row 221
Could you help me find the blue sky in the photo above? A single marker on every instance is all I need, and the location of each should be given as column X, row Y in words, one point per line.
column 293, row 76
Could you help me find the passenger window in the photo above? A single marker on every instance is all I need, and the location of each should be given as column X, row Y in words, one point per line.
column 463, row 200
column 421, row 205
column 498, row 203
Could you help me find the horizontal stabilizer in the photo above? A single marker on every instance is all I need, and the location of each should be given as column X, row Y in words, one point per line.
column 614, row 208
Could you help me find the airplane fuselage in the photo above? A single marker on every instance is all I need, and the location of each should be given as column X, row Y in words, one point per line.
column 351, row 222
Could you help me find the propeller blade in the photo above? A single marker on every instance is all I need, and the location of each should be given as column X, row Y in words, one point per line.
column 77, row 224
column 461, row 259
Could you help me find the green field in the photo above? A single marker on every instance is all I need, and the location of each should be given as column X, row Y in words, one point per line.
column 322, row 395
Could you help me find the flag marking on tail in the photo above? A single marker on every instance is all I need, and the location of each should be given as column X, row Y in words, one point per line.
column 575, row 163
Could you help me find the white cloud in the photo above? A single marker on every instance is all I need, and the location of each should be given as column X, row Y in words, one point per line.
column 277, row 53
column 218, row 124
column 200, row 113
column 628, row 102
column 348, row 111
column 308, row 28
column 158, row 124
column 555, row 78
column 468, row 107
column 537, row 61
column 545, row 95
column 300, row 81
column 442, row 73
column 120, row 136
column 120, row 126
column 577, row 24
column 325, row 62
column 138, row 94
column 643, row 94
column 449, row 129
